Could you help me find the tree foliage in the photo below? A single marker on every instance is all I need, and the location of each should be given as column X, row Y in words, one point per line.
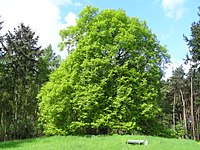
column 194, row 48
column 19, row 70
column 24, row 69
column 110, row 82
column 47, row 63
column 193, row 41
column 176, row 103
column 181, row 92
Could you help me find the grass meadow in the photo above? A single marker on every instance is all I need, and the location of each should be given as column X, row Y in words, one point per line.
column 114, row 142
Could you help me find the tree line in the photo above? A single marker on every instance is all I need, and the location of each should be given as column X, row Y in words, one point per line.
column 110, row 82
column 182, row 91
column 24, row 68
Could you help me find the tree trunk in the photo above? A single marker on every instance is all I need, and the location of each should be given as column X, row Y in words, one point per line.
column 174, row 121
column 184, row 113
column 192, row 111
column 197, row 122
column 2, row 127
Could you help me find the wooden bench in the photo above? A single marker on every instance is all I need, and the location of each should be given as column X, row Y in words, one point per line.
column 145, row 142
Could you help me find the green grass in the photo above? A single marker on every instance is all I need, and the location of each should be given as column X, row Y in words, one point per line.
column 115, row 142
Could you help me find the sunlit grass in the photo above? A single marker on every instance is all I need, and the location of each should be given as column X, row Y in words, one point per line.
column 115, row 142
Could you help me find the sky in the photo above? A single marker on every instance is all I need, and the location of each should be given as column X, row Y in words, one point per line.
column 168, row 19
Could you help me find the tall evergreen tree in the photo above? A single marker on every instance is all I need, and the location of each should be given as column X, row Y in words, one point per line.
column 24, row 68
column 194, row 48
column 175, row 99
column 21, row 57
column 193, row 42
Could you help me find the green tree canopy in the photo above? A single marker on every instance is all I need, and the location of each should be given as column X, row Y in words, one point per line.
column 193, row 42
column 17, row 80
column 110, row 82
column 193, row 75
column 24, row 67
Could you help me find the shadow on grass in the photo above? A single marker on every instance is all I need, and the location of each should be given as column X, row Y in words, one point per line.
column 14, row 144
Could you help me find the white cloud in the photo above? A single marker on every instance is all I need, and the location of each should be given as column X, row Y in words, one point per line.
column 70, row 19
column 170, row 67
column 174, row 8
column 43, row 16
column 172, row 4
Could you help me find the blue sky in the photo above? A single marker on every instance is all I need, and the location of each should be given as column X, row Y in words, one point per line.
column 168, row 19
column 168, row 28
